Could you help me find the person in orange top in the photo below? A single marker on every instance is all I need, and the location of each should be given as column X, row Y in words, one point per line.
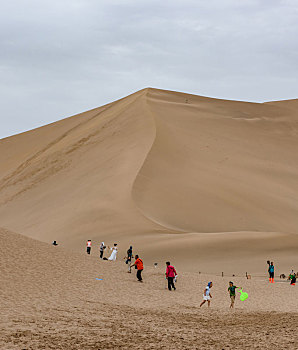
column 139, row 265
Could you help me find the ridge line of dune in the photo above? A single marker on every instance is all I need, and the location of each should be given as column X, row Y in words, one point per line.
column 5, row 180
column 148, row 110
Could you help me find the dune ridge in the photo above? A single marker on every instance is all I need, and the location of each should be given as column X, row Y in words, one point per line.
column 197, row 179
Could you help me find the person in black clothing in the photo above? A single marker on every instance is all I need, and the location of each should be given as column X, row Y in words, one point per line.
column 128, row 258
column 293, row 280
column 102, row 247
column 89, row 246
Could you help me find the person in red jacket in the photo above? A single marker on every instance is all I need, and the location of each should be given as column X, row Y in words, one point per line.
column 170, row 274
column 139, row 265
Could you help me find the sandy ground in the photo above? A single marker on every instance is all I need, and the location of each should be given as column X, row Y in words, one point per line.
column 210, row 185
column 50, row 299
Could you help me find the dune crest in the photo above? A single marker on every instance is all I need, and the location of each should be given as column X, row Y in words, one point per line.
column 161, row 169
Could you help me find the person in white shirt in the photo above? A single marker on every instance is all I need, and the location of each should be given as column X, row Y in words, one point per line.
column 207, row 295
column 113, row 255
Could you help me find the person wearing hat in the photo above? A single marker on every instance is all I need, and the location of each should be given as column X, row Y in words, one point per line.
column 207, row 295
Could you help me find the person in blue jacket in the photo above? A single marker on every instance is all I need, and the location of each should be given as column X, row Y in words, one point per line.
column 271, row 272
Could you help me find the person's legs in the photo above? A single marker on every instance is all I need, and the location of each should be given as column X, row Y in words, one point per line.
column 88, row 250
column 202, row 303
column 170, row 283
column 101, row 254
column 173, row 285
column 232, row 301
column 139, row 275
column 209, row 303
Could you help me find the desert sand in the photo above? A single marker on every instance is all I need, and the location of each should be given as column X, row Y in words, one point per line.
column 50, row 299
column 209, row 184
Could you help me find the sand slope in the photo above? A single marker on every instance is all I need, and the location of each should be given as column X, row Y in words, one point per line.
column 50, row 299
column 207, row 182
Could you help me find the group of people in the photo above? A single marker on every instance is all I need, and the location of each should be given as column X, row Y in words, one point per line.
column 102, row 248
column 171, row 274
column 292, row 276
column 231, row 290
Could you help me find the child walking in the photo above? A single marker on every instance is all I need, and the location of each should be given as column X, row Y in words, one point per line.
column 207, row 295
column 232, row 291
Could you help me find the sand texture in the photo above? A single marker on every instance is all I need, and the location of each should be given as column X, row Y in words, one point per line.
column 50, row 299
column 179, row 176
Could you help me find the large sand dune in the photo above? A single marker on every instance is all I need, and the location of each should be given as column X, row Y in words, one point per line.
column 210, row 183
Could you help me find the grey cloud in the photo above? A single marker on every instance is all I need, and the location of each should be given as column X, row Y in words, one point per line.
column 58, row 58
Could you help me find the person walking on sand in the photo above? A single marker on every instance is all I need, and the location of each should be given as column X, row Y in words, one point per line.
column 102, row 247
column 140, row 267
column 271, row 272
column 170, row 274
column 89, row 246
column 207, row 295
column 232, row 291
column 128, row 258
column 113, row 255
column 293, row 280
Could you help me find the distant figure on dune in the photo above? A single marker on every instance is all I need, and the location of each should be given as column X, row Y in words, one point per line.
column 271, row 272
column 113, row 255
column 102, row 247
column 207, row 295
column 128, row 258
column 55, row 243
column 89, row 246
column 291, row 274
column 140, row 267
column 232, row 291
column 170, row 274
column 293, row 279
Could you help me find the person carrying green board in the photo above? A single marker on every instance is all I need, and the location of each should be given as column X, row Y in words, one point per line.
column 232, row 291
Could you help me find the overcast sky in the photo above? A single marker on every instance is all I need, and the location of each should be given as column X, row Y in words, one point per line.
column 62, row 57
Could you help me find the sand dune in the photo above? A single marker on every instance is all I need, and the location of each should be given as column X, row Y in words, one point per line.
column 50, row 299
column 211, row 183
